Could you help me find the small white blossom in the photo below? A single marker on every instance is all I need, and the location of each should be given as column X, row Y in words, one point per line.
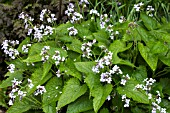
column 40, row 90
column 11, row 68
column 72, row 31
column 93, row 11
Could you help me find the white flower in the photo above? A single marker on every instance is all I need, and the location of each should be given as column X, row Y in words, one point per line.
column 40, row 90
column 93, row 11
column 10, row 102
column 149, row 96
column 58, row 73
column 11, row 68
column 108, row 97
column 72, row 31
column 123, row 97
column 123, row 81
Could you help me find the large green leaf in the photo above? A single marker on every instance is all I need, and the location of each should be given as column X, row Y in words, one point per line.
column 129, row 89
column 165, row 85
column 22, row 105
column 62, row 29
column 80, row 105
column 100, row 94
column 85, row 67
column 149, row 22
column 70, row 69
column 119, row 46
column 165, row 58
column 46, row 68
column 159, row 47
column 140, row 73
column 53, row 88
column 7, row 82
column 93, row 81
column 148, row 56
column 72, row 90
column 82, row 31
column 75, row 45
column 102, row 37
column 98, row 91
column 49, row 108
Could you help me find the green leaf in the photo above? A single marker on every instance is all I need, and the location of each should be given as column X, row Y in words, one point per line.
column 165, row 84
column 7, row 82
column 50, row 108
column 85, row 67
column 66, row 38
column 93, row 81
column 21, row 106
column 140, row 73
column 82, row 31
column 102, row 37
column 159, row 47
column 149, row 22
column 100, row 94
column 137, row 95
column 62, row 29
column 75, row 45
column 72, row 90
column 53, row 89
column 80, row 105
column 2, row 99
column 150, row 58
column 104, row 110
column 70, row 69
column 165, row 58
column 119, row 46
column 46, row 68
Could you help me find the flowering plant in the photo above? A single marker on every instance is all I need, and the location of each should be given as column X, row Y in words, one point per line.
column 90, row 65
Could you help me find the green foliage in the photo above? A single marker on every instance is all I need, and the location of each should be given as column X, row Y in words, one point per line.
column 89, row 71
column 80, row 105
column 71, row 92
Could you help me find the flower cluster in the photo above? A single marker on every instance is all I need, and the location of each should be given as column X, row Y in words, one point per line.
column 72, row 31
column 40, row 90
column 15, row 91
column 57, row 57
column 30, row 84
column 83, row 2
column 44, row 53
column 125, row 100
column 106, row 60
column 74, row 16
column 11, row 68
column 8, row 46
column 26, row 19
column 38, row 30
column 58, row 73
column 25, row 48
column 157, row 107
column 93, row 11
column 107, row 76
column 50, row 17
column 138, row 6
column 147, row 86
column 124, row 79
column 150, row 9
column 86, row 48
column 122, row 19
column 103, row 20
